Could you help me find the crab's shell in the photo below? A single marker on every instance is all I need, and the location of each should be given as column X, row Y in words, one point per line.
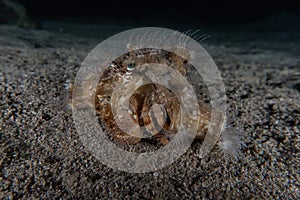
column 162, row 125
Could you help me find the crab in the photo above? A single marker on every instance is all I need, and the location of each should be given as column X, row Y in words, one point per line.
column 153, row 108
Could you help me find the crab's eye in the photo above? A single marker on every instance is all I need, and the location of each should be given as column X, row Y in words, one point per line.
column 130, row 66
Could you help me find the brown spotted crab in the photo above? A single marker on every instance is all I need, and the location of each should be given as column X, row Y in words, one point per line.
column 153, row 106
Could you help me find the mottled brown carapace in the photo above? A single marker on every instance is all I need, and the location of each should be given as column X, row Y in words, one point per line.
column 152, row 106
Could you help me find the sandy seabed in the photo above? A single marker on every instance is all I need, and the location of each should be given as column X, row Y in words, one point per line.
column 42, row 156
